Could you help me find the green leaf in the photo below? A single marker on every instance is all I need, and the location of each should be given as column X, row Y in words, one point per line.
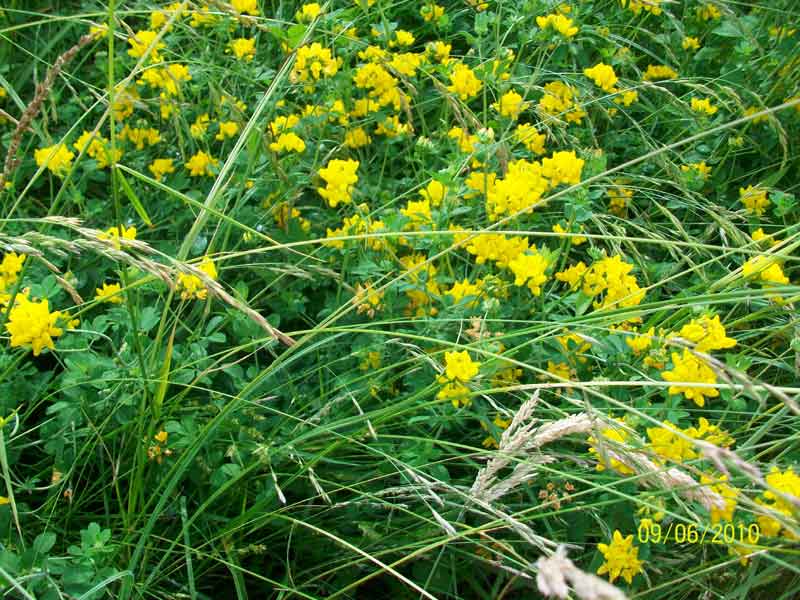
column 137, row 204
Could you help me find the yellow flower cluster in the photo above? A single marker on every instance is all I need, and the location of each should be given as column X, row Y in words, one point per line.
column 784, row 482
column 463, row 82
column 754, row 199
column 97, row 147
column 356, row 225
column 10, row 267
column 703, row 106
column 617, row 436
column 608, row 278
column 766, row 270
column 494, row 247
column 603, row 76
column 312, row 63
column 510, row 105
column 115, row 234
column 527, row 135
column 191, row 286
column 167, row 79
column 201, row 164
column 110, row 292
column 659, row 72
column 459, row 369
column 243, row 48
column 529, row 268
column 621, row 556
column 140, row 136
column 31, row 323
column 559, row 23
column 141, row 41
column 56, row 158
column 464, row 289
column 560, row 101
column 687, row 369
column 339, row 176
column 160, row 167
column 637, row 6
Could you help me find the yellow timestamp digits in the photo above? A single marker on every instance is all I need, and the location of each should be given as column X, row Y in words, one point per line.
column 680, row 533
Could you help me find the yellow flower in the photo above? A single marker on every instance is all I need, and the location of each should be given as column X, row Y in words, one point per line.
column 124, row 100
column 610, row 278
column 313, row 63
column 636, row 6
column 640, row 341
column 627, row 98
column 666, row 443
column 141, row 41
column 116, row 233
column 765, row 270
column 32, row 323
column 308, row 12
column 97, row 148
column 700, row 167
column 57, row 158
column 527, row 135
column 10, row 267
column 203, row 17
column 402, row 38
column 786, row 482
column 687, row 369
column 97, row 31
column 459, row 366
column 562, row 167
column 419, row 212
column 245, row 6
column 110, row 292
column 603, row 76
column 465, row 289
column 200, row 164
column 754, row 199
column 657, row 72
column 690, row 43
column 703, row 106
column 621, row 558
column 560, row 100
column 729, row 495
column 339, row 176
column 558, row 22
column 357, row 138
column 530, row 269
column 287, row 142
column 510, row 105
column 561, row 370
column 431, row 12
column 200, row 125
column 243, row 48
column 160, row 167
column 227, row 129
column 192, row 286
column 160, row 17
column 617, row 436
column 140, row 136
column 707, row 334
column 464, row 83
column 573, row 275
column 708, row 11
column 434, row 192
column 457, row 393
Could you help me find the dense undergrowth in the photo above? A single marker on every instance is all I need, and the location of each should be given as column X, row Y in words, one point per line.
column 385, row 298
